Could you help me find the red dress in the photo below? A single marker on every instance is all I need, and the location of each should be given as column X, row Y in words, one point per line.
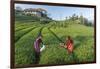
column 69, row 44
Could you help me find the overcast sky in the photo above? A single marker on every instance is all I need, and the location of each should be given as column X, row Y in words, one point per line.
column 60, row 12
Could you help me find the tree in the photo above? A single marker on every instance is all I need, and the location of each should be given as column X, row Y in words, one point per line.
column 73, row 17
column 18, row 10
column 81, row 18
column 66, row 18
column 87, row 22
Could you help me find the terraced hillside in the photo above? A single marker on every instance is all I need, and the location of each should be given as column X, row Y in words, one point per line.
column 27, row 31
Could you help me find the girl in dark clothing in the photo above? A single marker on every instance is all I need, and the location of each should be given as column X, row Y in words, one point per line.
column 37, row 43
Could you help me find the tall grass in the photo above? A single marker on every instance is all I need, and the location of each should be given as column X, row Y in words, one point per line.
column 22, row 32
column 54, row 54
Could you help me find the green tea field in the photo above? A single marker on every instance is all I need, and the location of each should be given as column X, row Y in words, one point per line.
column 53, row 34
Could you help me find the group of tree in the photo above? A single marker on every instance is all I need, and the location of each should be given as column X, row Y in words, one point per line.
column 18, row 10
column 79, row 19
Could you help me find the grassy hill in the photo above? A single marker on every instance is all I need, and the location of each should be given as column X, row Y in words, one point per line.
column 53, row 33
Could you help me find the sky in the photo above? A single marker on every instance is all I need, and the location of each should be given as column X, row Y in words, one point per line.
column 61, row 12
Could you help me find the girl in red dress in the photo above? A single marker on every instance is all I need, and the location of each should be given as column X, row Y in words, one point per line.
column 69, row 44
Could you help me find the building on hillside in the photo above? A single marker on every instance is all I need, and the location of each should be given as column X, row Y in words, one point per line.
column 39, row 12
